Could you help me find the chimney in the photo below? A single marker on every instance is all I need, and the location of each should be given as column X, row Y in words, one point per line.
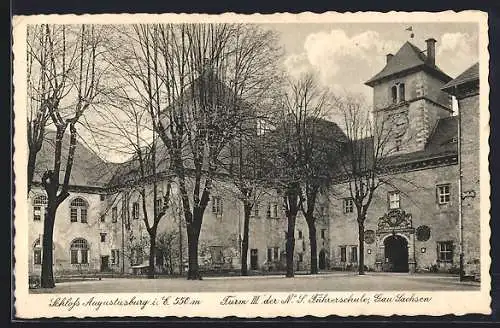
column 431, row 51
column 389, row 56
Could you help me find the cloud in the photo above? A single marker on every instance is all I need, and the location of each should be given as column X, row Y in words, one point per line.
column 456, row 52
column 342, row 62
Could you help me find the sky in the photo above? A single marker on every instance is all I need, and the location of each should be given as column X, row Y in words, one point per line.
column 346, row 55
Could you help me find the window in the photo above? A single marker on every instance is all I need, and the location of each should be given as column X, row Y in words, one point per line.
column 303, row 245
column 343, row 254
column 217, row 205
column 348, row 205
column 401, row 92
column 397, row 143
column 398, row 93
column 256, row 209
column 39, row 206
column 301, row 257
column 354, row 254
column 103, row 237
column 135, row 210
column 114, row 214
column 269, row 254
column 272, row 210
column 300, row 234
column 102, row 197
column 445, row 251
column 79, row 251
column 276, row 253
column 115, row 256
column 78, row 210
column 394, row 200
column 323, row 233
column 136, row 256
column 37, row 252
column 394, row 94
column 159, row 204
column 443, row 194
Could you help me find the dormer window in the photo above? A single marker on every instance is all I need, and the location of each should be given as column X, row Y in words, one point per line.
column 398, row 93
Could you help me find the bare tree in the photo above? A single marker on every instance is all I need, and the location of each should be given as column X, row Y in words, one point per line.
column 256, row 76
column 365, row 158
column 304, row 145
column 127, row 122
column 184, row 74
column 64, row 80
column 318, row 142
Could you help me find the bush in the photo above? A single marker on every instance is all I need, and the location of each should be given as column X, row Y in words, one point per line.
column 34, row 282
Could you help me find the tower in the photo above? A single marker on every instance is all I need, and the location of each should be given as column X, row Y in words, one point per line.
column 407, row 97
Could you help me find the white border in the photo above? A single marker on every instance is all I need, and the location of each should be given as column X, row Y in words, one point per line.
column 36, row 305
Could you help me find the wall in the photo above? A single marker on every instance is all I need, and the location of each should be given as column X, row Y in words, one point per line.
column 418, row 197
column 423, row 98
column 469, row 111
column 66, row 231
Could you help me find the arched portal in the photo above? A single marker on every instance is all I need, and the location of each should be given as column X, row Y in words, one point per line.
column 322, row 260
column 396, row 253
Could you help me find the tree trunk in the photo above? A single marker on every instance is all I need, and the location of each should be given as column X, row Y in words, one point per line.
column 361, row 240
column 313, row 243
column 31, row 167
column 290, row 245
column 47, row 278
column 193, row 238
column 152, row 251
column 245, row 241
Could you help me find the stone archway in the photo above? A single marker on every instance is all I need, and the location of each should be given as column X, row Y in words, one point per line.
column 395, row 242
column 396, row 253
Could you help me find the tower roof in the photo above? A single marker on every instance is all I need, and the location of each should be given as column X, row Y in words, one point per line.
column 469, row 75
column 409, row 57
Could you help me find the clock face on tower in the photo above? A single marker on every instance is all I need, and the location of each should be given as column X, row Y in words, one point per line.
column 400, row 124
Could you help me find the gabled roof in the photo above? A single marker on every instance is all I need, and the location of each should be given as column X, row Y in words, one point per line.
column 442, row 142
column 88, row 169
column 407, row 58
column 469, row 75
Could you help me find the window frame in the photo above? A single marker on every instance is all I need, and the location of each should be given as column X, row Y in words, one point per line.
column 343, row 254
column 39, row 201
column 37, row 249
column 135, row 210
column 78, row 210
column 390, row 201
column 440, row 194
column 445, row 249
column 348, row 205
column 79, row 251
column 217, row 205
column 354, row 254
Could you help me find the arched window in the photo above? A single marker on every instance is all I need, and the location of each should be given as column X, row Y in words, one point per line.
column 79, row 251
column 78, row 210
column 39, row 206
column 401, row 92
column 37, row 252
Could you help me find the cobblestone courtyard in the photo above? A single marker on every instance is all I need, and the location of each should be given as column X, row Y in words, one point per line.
column 321, row 282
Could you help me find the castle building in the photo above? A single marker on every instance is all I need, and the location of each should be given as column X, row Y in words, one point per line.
column 413, row 223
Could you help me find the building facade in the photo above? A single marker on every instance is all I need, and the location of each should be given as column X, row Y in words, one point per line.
column 412, row 225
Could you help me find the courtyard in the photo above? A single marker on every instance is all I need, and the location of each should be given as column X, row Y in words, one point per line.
column 338, row 281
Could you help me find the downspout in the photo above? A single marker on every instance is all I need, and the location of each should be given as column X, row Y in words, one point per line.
column 460, row 218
